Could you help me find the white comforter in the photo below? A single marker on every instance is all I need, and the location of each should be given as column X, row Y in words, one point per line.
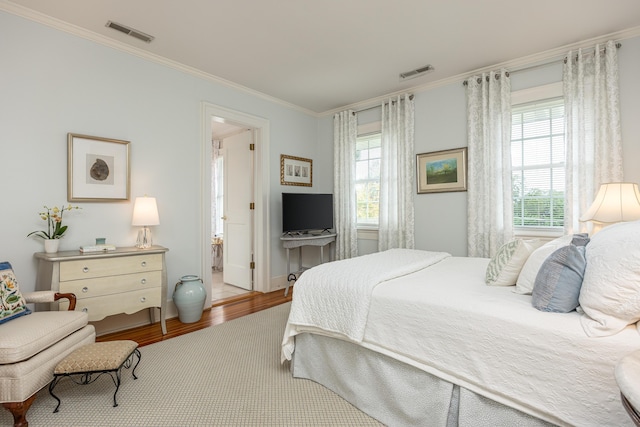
column 444, row 320
column 335, row 297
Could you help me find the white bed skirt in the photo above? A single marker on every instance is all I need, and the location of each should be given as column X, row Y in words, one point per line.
column 395, row 393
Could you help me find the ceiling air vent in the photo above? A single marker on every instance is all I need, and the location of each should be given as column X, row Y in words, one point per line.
column 130, row 31
column 416, row 73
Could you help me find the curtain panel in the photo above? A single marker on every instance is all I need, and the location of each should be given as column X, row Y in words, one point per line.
column 397, row 176
column 489, row 192
column 593, row 135
column 345, row 134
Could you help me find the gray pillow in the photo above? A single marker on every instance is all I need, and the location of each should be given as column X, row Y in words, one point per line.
column 557, row 285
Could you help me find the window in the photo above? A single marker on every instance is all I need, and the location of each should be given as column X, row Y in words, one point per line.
column 368, row 179
column 538, row 164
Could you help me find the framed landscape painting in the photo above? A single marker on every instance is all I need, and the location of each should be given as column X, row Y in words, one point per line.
column 441, row 171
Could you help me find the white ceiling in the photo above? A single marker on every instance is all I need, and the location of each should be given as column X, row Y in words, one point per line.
column 323, row 55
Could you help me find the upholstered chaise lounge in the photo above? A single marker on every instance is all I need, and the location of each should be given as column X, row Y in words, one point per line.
column 31, row 346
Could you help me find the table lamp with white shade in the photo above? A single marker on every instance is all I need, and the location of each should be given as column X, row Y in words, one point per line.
column 145, row 214
column 615, row 202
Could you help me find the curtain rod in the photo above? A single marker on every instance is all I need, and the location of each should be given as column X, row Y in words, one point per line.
column 564, row 59
column 376, row 106
column 544, row 64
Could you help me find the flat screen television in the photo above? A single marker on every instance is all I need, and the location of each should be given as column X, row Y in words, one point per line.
column 304, row 212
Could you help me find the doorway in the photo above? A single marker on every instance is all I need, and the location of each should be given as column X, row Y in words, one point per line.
column 260, row 233
column 232, row 170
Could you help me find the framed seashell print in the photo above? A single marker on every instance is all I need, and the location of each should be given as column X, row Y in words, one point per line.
column 98, row 169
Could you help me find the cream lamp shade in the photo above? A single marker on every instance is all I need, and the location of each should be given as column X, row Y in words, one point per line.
column 145, row 214
column 615, row 202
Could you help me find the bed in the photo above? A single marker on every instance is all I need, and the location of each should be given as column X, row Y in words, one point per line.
column 423, row 340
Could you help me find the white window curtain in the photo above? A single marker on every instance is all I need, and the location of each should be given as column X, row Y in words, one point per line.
column 593, row 140
column 489, row 206
column 397, row 179
column 345, row 134
column 215, row 154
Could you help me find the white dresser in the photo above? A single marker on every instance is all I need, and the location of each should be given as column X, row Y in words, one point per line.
column 125, row 280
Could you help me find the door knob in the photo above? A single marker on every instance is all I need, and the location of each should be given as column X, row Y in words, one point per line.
column 224, row 217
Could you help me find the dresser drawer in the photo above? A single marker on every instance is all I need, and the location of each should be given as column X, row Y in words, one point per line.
column 89, row 288
column 89, row 268
column 131, row 302
column 124, row 280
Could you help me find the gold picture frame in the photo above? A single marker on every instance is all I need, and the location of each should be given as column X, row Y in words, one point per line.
column 296, row 171
column 98, row 169
column 442, row 171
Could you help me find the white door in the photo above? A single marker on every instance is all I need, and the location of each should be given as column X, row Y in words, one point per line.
column 238, row 217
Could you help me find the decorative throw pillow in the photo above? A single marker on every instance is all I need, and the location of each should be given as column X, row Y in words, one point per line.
column 527, row 277
column 557, row 285
column 505, row 266
column 12, row 304
column 610, row 294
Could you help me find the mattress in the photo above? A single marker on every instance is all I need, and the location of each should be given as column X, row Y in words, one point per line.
column 445, row 321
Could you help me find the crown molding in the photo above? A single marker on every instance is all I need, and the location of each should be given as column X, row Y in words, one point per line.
column 75, row 30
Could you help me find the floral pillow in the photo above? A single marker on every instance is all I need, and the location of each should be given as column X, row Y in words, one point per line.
column 505, row 266
column 12, row 304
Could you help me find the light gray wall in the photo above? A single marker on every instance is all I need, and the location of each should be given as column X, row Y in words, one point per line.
column 440, row 123
column 629, row 62
column 53, row 83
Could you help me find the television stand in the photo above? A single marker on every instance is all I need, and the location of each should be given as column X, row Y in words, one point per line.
column 291, row 242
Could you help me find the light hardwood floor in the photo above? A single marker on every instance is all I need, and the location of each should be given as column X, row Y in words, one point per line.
column 221, row 311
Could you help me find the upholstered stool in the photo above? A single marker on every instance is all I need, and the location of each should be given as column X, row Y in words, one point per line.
column 93, row 360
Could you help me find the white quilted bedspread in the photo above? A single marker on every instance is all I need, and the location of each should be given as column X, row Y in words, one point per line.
column 444, row 320
column 491, row 340
column 335, row 297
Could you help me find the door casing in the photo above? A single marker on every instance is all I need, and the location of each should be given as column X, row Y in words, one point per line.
column 262, row 233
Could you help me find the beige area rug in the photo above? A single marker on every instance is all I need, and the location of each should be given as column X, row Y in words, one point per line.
column 225, row 375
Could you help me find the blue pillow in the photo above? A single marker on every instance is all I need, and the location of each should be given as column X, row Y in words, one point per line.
column 557, row 285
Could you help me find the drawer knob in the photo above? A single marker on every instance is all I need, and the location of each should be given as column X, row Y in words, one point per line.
column 143, row 263
column 85, row 310
column 143, row 299
column 85, row 270
column 85, row 289
column 143, row 281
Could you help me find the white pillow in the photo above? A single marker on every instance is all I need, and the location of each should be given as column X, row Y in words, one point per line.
column 610, row 293
column 527, row 277
column 505, row 266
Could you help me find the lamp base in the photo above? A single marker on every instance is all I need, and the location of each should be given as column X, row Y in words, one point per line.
column 144, row 240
